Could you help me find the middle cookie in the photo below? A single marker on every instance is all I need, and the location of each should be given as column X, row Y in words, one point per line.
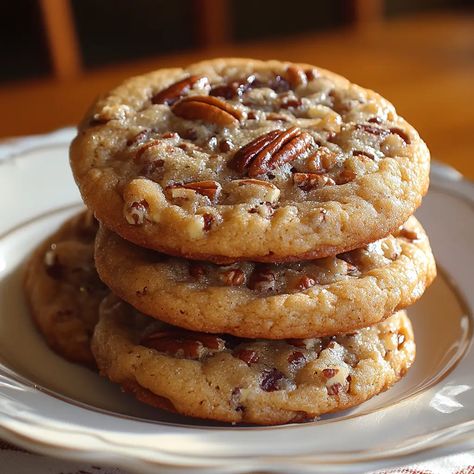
column 273, row 301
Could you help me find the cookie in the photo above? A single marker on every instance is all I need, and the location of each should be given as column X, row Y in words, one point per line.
column 241, row 159
column 239, row 380
column 275, row 301
column 63, row 289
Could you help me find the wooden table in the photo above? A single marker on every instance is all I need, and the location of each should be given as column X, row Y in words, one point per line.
column 423, row 64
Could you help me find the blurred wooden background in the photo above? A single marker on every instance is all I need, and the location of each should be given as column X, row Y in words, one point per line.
column 57, row 55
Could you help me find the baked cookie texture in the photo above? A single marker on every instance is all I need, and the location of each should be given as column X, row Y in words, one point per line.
column 63, row 289
column 238, row 159
column 255, row 381
column 274, row 301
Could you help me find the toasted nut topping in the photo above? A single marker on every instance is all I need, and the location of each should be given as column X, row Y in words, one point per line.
column 372, row 129
column 296, row 76
column 262, row 280
column 329, row 373
column 233, row 277
column 402, row 134
column 272, row 380
column 304, row 283
column 172, row 93
column 310, row 181
column 334, row 389
column 181, row 343
column 247, row 355
column 408, row 234
column 136, row 212
column 271, row 150
column 296, row 358
column 208, row 109
column 208, row 221
column 211, row 189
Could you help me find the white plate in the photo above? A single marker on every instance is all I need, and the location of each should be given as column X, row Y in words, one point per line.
column 53, row 407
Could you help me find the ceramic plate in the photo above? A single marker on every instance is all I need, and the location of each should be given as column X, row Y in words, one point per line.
column 54, row 407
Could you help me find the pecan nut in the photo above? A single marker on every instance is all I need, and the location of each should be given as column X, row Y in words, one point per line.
column 296, row 76
column 310, row 181
column 173, row 93
column 208, row 109
column 233, row 277
column 182, row 343
column 211, row 189
column 271, row 150
column 262, row 280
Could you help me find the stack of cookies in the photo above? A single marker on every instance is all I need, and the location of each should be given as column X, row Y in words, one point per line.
column 255, row 243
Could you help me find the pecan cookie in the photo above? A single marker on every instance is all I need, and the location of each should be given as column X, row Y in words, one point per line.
column 238, row 159
column 274, row 301
column 239, row 380
column 63, row 289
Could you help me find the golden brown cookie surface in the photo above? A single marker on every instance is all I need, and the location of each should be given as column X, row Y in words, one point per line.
column 275, row 301
column 63, row 289
column 238, row 380
column 242, row 159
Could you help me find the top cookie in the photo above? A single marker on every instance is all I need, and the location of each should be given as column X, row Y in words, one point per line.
column 241, row 159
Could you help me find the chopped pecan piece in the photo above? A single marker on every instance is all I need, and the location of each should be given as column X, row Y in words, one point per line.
column 208, row 109
column 296, row 76
column 329, row 373
column 270, row 150
column 182, row 343
column 136, row 212
column 372, row 129
column 304, row 283
column 144, row 148
column 408, row 234
column 247, row 355
column 172, row 93
column 208, row 221
column 335, row 389
column 233, row 89
column 296, row 358
column 233, row 277
column 310, row 181
column 272, row 380
column 211, row 189
column 363, row 153
column 402, row 134
column 262, row 280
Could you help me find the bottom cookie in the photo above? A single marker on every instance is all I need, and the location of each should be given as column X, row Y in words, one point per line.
column 63, row 289
column 225, row 378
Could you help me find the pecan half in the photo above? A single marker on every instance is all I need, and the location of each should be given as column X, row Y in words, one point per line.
column 173, row 93
column 310, row 181
column 181, row 343
column 208, row 109
column 211, row 189
column 270, row 150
